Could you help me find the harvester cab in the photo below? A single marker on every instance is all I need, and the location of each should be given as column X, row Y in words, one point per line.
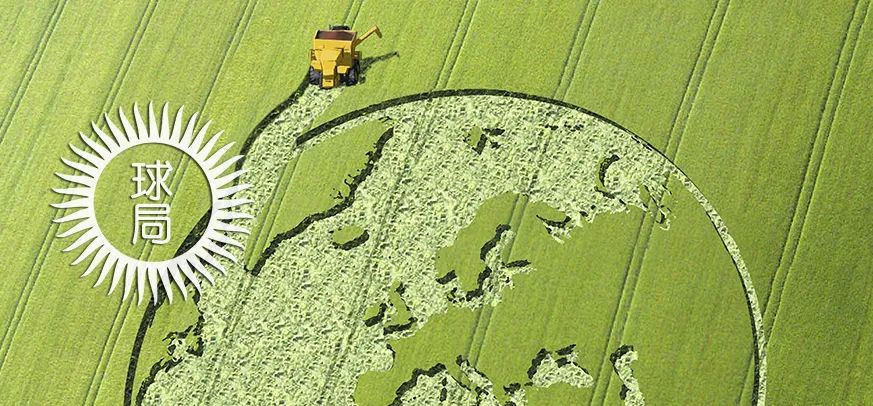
column 334, row 56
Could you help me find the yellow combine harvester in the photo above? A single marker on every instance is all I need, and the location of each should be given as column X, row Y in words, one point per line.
column 333, row 54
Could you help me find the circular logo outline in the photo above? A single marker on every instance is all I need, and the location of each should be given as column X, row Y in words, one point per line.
column 177, row 270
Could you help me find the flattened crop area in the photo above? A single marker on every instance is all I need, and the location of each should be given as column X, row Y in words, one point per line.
column 454, row 262
column 529, row 200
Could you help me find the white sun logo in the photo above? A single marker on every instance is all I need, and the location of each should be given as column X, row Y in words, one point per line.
column 184, row 267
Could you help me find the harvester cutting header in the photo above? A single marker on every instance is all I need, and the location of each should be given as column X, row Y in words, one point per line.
column 334, row 58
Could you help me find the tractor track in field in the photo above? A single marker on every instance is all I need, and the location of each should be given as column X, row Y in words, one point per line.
column 322, row 101
column 520, row 206
column 261, row 233
column 35, row 58
column 457, row 44
column 647, row 223
column 312, row 133
column 577, row 47
column 818, row 144
column 48, row 239
column 240, row 27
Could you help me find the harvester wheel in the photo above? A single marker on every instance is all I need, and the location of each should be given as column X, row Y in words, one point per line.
column 352, row 76
column 314, row 76
column 340, row 27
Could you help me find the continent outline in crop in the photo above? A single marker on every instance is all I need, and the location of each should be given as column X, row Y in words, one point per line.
column 759, row 340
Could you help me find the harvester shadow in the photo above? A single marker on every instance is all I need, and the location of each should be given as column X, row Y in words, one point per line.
column 368, row 62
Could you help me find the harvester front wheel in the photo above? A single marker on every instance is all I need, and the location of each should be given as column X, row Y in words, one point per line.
column 314, row 76
column 351, row 78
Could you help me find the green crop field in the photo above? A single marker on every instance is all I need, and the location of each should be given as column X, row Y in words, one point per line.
column 637, row 201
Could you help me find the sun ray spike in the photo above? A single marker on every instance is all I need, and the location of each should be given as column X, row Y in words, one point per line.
column 166, row 284
column 107, row 266
column 198, row 139
column 78, row 228
column 93, row 246
column 219, row 237
column 224, row 180
column 209, row 259
column 86, row 169
column 129, row 273
column 185, row 266
column 177, row 124
column 189, row 130
column 203, row 271
column 75, row 203
column 80, row 179
column 110, row 266
column 142, row 132
column 207, row 149
column 232, row 215
column 231, row 228
column 119, row 135
column 153, row 284
column 165, row 123
column 91, row 158
column 179, row 280
column 140, row 282
column 230, row 191
column 76, row 215
column 76, row 191
column 128, row 127
column 87, row 236
column 107, row 141
column 98, row 258
column 211, row 246
column 95, row 146
column 220, row 168
column 231, row 203
column 153, row 122
column 213, row 160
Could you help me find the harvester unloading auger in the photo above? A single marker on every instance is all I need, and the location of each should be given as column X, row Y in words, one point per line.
column 334, row 57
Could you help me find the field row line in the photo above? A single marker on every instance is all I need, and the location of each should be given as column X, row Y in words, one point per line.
column 7, row 119
column 454, row 51
column 35, row 58
column 577, row 46
column 184, row 162
column 48, row 236
column 261, row 230
column 115, row 88
column 485, row 314
column 829, row 110
column 355, row 7
column 603, row 380
column 261, row 233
